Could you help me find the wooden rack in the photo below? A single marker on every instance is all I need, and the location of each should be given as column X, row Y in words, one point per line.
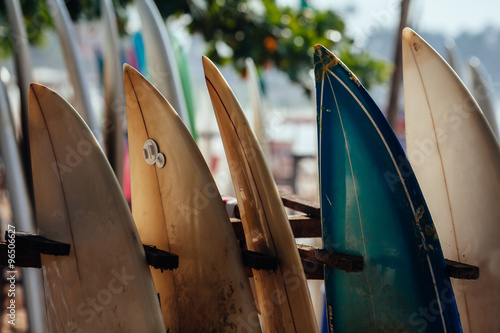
column 29, row 247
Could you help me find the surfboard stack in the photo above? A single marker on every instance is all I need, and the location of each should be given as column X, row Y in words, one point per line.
column 401, row 213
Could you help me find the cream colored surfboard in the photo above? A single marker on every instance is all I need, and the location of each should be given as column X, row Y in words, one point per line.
column 162, row 67
column 114, row 116
column 74, row 64
column 177, row 208
column 283, row 295
column 457, row 162
column 104, row 285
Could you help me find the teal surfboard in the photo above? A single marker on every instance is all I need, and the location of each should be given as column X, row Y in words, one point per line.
column 371, row 205
column 186, row 82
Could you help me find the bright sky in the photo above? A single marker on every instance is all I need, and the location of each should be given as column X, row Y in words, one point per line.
column 449, row 16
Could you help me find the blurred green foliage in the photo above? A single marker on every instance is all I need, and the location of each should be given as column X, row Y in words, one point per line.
column 234, row 30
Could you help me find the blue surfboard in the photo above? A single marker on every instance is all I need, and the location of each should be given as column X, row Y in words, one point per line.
column 372, row 206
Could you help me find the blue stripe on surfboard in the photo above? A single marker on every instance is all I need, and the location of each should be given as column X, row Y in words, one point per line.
column 369, row 176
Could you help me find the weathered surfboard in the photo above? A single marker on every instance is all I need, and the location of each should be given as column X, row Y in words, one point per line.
column 283, row 296
column 74, row 64
column 456, row 159
column 22, row 62
column 177, row 208
column 161, row 58
column 114, row 116
column 104, row 285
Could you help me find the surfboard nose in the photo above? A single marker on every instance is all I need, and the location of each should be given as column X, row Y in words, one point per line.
column 38, row 88
column 414, row 43
column 138, row 91
column 408, row 34
column 40, row 97
column 38, row 93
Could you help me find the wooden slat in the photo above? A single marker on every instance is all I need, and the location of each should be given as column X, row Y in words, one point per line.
column 346, row 262
column 292, row 201
column 39, row 244
column 461, row 271
column 302, row 227
column 160, row 259
column 259, row 261
column 24, row 257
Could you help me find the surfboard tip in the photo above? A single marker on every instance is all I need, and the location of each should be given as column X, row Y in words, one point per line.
column 130, row 70
column 409, row 35
column 324, row 59
column 37, row 88
column 208, row 65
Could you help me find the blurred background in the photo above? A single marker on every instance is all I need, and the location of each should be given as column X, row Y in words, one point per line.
column 279, row 36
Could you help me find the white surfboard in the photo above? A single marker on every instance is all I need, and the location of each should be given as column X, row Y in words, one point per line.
column 104, row 285
column 22, row 210
column 162, row 68
column 74, row 64
column 177, row 208
column 283, row 296
column 114, row 117
column 456, row 159
column 483, row 92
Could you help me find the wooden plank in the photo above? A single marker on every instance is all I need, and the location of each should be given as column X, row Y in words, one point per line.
column 313, row 259
column 259, row 261
column 160, row 259
column 39, row 244
column 345, row 262
column 302, row 227
column 461, row 271
column 292, row 201
column 24, row 257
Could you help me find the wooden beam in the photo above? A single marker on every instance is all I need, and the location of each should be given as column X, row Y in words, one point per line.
column 292, row 201
column 461, row 271
column 302, row 227
column 345, row 262
column 259, row 261
column 160, row 259
column 39, row 244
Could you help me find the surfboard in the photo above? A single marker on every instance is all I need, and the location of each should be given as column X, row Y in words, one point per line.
column 256, row 102
column 74, row 64
column 21, row 206
column 453, row 56
column 177, row 208
column 181, row 60
column 114, row 116
column 162, row 69
column 483, row 92
column 22, row 63
column 104, row 284
column 283, row 295
column 372, row 206
column 456, row 159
